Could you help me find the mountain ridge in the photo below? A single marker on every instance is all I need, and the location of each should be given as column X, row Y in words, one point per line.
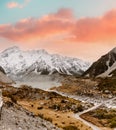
column 16, row 61
column 105, row 66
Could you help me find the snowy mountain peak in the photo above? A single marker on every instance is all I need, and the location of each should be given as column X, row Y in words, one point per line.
column 10, row 50
column 42, row 51
column 18, row 62
column 14, row 48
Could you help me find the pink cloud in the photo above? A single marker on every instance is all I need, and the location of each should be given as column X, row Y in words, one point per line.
column 17, row 5
column 63, row 23
column 12, row 5
column 29, row 29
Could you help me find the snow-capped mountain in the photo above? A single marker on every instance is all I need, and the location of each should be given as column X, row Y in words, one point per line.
column 104, row 67
column 18, row 62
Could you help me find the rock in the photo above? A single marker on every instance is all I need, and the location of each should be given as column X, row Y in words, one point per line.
column 110, row 96
column 107, row 92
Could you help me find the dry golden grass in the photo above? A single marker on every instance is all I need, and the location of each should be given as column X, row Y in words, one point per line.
column 58, row 118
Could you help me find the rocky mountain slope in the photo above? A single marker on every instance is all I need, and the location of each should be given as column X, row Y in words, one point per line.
column 4, row 78
column 103, row 67
column 14, row 117
column 18, row 62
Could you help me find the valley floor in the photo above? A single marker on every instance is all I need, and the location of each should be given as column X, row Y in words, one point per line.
column 87, row 91
column 66, row 109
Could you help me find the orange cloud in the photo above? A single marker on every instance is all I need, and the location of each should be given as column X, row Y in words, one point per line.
column 63, row 23
column 96, row 29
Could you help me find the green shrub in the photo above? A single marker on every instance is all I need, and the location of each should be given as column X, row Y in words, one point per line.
column 113, row 124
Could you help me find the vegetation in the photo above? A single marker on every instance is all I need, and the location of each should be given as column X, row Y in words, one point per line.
column 106, row 117
column 113, row 122
column 70, row 128
column 108, row 84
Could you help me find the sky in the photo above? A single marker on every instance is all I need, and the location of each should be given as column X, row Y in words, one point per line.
column 85, row 29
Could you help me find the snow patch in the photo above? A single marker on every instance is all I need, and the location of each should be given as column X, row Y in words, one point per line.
column 107, row 73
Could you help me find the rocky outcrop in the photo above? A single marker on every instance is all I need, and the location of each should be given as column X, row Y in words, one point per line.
column 2, row 70
column 4, row 79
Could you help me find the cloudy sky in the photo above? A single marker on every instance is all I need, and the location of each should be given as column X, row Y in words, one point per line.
column 85, row 29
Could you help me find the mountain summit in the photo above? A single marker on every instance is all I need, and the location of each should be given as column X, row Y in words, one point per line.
column 18, row 62
column 103, row 67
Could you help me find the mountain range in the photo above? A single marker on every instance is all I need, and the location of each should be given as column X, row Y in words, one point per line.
column 17, row 63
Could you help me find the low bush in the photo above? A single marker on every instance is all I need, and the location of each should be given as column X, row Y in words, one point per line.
column 70, row 128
